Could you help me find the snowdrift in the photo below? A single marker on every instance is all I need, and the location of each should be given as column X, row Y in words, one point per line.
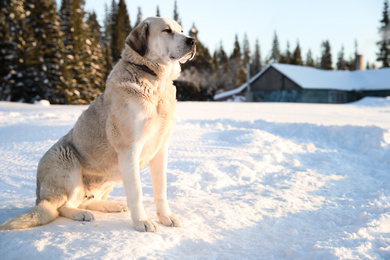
column 373, row 102
column 249, row 181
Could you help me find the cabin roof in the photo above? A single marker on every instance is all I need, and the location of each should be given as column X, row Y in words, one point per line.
column 313, row 78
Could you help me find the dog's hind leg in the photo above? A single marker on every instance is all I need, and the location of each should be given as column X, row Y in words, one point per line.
column 60, row 175
column 70, row 208
column 97, row 200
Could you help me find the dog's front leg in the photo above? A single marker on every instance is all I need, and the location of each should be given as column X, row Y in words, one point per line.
column 158, row 167
column 129, row 167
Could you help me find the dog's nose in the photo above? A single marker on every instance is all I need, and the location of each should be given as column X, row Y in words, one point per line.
column 190, row 41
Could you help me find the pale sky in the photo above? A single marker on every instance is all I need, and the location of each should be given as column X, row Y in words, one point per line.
column 309, row 21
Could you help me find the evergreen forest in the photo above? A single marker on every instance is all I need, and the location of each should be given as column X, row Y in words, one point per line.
column 64, row 55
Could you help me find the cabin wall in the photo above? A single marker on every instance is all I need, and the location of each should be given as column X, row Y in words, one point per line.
column 376, row 93
column 273, row 80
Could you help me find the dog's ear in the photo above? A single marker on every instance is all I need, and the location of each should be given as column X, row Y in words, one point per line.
column 138, row 38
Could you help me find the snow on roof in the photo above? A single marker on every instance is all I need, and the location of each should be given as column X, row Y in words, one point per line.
column 230, row 92
column 239, row 89
column 312, row 78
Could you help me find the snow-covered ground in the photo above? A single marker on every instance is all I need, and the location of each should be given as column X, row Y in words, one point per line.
column 248, row 180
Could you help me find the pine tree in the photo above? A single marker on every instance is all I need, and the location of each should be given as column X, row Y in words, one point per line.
column 237, row 68
column 317, row 62
column 113, row 21
column 256, row 64
column 286, row 57
column 223, row 59
column 356, row 48
column 176, row 13
column 326, row 58
column 275, row 53
column 96, row 68
column 106, row 43
column 350, row 64
column 384, row 44
column 120, row 30
column 221, row 64
column 158, row 12
column 32, row 76
column 8, row 48
column 70, row 86
column 81, row 87
column 246, row 50
column 296, row 56
column 45, row 49
column 236, row 54
column 309, row 59
column 215, row 61
column 139, row 17
column 341, row 63
column 14, row 81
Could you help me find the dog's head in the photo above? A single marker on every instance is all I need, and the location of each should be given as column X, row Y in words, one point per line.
column 161, row 39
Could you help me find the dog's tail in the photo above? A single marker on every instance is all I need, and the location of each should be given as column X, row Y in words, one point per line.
column 41, row 214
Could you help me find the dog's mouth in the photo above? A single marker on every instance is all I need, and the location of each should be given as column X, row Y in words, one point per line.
column 189, row 56
column 193, row 53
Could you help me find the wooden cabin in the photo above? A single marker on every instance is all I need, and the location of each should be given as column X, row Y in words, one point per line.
column 292, row 83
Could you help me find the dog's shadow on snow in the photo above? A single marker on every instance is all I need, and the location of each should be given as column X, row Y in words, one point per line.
column 10, row 212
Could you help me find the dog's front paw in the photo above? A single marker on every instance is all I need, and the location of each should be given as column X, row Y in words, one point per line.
column 169, row 220
column 85, row 215
column 115, row 206
column 146, row 226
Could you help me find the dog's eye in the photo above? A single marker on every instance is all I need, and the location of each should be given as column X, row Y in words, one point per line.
column 168, row 30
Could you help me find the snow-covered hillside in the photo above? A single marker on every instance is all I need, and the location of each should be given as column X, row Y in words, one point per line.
column 249, row 181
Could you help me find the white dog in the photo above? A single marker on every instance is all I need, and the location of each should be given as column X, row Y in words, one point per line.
column 125, row 128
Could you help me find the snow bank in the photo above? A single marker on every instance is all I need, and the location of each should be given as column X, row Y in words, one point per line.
column 42, row 102
column 249, row 181
column 236, row 99
column 373, row 102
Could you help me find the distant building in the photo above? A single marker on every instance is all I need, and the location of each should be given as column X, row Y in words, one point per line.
column 292, row 83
